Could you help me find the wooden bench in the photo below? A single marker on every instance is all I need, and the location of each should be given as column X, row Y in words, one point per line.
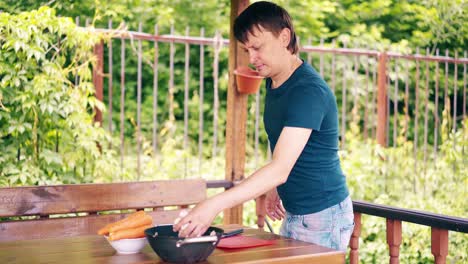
column 91, row 206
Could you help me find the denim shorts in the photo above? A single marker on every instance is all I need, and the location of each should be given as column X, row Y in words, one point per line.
column 331, row 227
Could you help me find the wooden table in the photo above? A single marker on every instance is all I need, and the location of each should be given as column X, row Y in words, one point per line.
column 95, row 249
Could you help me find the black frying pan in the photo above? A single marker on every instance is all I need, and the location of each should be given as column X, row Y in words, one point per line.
column 171, row 248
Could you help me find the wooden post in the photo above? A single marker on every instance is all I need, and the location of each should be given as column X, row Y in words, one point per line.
column 439, row 245
column 394, row 240
column 354, row 242
column 236, row 116
column 382, row 100
column 98, row 77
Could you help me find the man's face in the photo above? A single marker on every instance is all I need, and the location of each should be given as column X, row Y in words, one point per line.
column 265, row 51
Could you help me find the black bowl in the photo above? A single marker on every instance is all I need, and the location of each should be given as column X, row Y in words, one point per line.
column 165, row 245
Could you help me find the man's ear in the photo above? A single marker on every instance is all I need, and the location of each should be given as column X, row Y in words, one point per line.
column 285, row 37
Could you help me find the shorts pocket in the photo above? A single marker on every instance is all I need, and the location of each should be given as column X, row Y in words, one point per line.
column 320, row 221
column 345, row 235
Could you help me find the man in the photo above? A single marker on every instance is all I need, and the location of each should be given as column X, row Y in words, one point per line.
column 301, row 120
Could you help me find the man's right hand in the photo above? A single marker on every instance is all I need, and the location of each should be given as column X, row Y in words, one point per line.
column 274, row 207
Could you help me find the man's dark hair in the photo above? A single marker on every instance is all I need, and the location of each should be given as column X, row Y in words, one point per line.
column 269, row 16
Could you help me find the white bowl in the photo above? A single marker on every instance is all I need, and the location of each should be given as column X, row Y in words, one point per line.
column 128, row 246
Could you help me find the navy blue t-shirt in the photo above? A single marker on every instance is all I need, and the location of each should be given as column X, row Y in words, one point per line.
column 316, row 181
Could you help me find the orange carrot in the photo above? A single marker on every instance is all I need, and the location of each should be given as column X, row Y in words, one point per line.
column 106, row 229
column 129, row 233
column 141, row 220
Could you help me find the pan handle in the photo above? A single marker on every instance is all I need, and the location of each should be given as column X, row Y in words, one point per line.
column 202, row 239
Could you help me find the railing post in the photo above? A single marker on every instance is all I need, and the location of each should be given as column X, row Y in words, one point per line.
column 394, row 239
column 236, row 117
column 382, row 100
column 439, row 245
column 98, row 77
column 354, row 242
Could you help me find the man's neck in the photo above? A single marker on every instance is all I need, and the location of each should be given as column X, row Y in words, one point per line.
column 293, row 63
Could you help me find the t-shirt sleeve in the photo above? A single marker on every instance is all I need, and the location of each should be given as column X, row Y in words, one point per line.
column 307, row 107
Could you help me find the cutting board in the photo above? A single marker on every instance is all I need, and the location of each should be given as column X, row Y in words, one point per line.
column 241, row 241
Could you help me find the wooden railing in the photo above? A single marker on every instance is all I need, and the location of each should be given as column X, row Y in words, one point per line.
column 440, row 226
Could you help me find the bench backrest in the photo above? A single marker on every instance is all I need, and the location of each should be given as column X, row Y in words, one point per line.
column 90, row 206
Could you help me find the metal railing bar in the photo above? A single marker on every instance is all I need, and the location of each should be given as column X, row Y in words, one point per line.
column 171, row 78
column 446, row 79
column 333, row 69
column 366, row 99
column 215, row 95
column 464, row 88
column 416, row 119
column 110, row 83
column 77, row 23
column 407, row 117
column 139, row 84
column 155, row 92
column 436, row 110
column 464, row 106
column 355, row 91
column 201, row 96
column 455, row 96
column 122, row 105
column 426, row 115
column 374, row 100
column 186, row 99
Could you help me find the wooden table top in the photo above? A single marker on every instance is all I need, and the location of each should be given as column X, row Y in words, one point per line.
column 95, row 249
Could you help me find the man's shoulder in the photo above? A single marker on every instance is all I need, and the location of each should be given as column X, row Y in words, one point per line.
column 310, row 82
column 308, row 76
column 310, row 87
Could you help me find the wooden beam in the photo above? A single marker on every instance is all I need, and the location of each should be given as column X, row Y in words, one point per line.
column 75, row 198
column 45, row 228
column 236, row 116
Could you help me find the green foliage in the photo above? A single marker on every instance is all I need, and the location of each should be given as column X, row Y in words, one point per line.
column 429, row 23
column 432, row 23
column 47, row 131
column 211, row 14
